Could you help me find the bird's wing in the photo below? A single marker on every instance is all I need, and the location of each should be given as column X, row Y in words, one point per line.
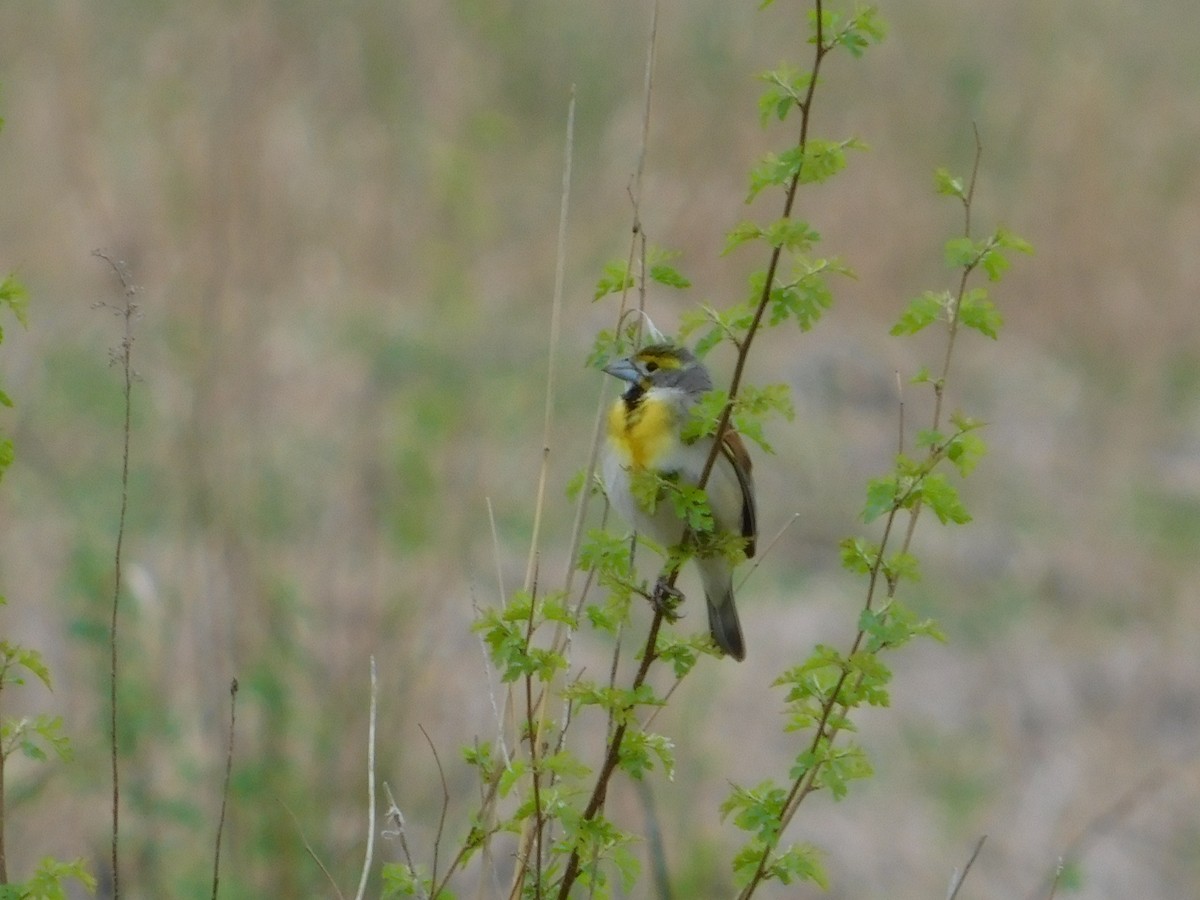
column 733, row 449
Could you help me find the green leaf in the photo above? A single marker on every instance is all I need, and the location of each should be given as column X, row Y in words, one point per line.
column 513, row 773
column 815, row 163
column 668, row 276
column 775, row 170
column 807, row 297
column 740, row 234
column 942, row 498
column 949, row 185
column 640, row 750
column 48, row 881
column 994, row 263
column 860, row 31
column 791, row 234
column 731, row 323
column 965, row 450
column 922, row 311
column 882, row 496
column 616, row 278
column 824, row 159
column 1009, row 241
column 681, row 652
column 704, row 415
column 16, row 298
column 801, row 863
column 923, row 376
column 978, row 312
column 758, row 403
column 902, row 566
column 691, row 506
column 858, row 555
column 785, row 92
column 961, row 253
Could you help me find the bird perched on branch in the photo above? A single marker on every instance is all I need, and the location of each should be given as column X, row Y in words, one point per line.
column 645, row 439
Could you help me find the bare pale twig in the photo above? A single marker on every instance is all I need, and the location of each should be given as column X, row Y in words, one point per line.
column 233, row 689
column 1125, row 803
column 496, row 552
column 555, row 317
column 956, row 882
column 311, row 852
column 487, row 672
column 396, row 817
column 1058, row 870
column 366, row 870
column 765, row 551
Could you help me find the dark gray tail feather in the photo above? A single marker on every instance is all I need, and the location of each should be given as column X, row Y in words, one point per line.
column 724, row 625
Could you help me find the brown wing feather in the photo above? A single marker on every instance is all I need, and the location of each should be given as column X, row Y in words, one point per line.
column 734, row 450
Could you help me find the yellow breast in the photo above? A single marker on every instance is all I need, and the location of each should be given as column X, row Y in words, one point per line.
column 641, row 436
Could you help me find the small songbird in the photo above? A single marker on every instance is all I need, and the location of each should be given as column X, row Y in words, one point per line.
column 645, row 434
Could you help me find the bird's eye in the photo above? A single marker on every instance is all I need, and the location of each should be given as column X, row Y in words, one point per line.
column 651, row 366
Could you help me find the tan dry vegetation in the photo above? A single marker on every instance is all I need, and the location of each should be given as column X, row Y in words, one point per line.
column 342, row 219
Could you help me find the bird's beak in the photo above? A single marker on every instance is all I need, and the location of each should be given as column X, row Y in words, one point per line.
column 625, row 369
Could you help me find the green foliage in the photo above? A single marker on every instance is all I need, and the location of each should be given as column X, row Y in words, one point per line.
column 49, row 881
column 555, row 794
column 36, row 737
column 854, row 32
column 401, row 881
column 814, row 163
column 15, row 299
column 14, row 296
column 617, row 276
column 787, row 89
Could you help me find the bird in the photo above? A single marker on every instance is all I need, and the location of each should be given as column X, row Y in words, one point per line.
column 645, row 434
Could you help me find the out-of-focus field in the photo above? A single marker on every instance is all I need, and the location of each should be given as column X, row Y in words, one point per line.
column 342, row 219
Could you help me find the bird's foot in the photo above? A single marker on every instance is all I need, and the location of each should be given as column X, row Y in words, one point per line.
column 666, row 599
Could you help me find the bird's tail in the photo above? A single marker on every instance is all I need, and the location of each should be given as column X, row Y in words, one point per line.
column 722, row 614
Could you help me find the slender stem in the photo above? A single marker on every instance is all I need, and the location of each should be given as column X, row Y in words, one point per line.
column 613, row 755
column 960, row 877
column 124, row 358
column 366, row 869
column 233, row 689
column 3, row 852
column 772, row 264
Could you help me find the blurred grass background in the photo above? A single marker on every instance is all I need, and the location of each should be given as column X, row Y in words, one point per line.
column 342, row 219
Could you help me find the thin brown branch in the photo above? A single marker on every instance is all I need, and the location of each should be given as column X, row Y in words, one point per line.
column 939, row 385
column 122, row 357
column 959, row 878
column 311, row 852
column 233, row 689
column 820, row 50
column 437, row 839
column 613, row 753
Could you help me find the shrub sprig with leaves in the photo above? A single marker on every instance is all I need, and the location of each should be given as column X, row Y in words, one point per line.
column 551, row 795
column 35, row 737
